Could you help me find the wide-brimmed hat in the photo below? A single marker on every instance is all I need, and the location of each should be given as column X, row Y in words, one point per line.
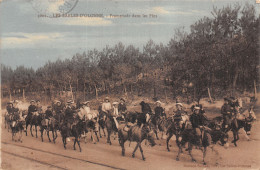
column 58, row 101
column 86, row 102
column 115, row 103
column 106, row 98
column 180, row 104
column 158, row 101
column 10, row 102
column 122, row 99
column 196, row 108
column 32, row 101
column 70, row 102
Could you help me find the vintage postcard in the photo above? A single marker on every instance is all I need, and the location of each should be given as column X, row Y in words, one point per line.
column 130, row 84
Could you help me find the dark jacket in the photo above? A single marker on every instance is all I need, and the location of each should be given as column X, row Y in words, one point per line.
column 32, row 108
column 9, row 109
column 122, row 107
column 69, row 113
column 146, row 108
column 178, row 114
column 48, row 114
column 58, row 109
column 198, row 120
column 226, row 109
column 159, row 112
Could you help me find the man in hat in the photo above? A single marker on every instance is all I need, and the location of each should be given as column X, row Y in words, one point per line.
column 115, row 113
column 178, row 115
column 32, row 108
column 69, row 113
column 106, row 106
column 158, row 110
column 196, row 121
column 226, row 113
column 122, row 107
column 38, row 106
column 85, row 112
column 48, row 114
column 145, row 115
column 9, row 108
column 58, row 109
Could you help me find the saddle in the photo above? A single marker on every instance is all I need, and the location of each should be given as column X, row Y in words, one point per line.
column 128, row 126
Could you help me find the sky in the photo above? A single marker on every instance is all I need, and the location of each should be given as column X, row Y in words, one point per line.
column 30, row 35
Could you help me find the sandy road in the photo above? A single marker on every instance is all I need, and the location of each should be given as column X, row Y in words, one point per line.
column 34, row 154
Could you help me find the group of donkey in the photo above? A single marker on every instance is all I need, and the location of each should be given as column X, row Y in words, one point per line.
column 139, row 131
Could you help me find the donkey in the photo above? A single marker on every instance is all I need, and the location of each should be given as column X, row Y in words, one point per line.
column 33, row 120
column 77, row 129
column 209, row 136
column 137, row 134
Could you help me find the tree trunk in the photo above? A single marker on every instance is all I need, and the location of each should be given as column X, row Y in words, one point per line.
column 84, row 91
column 255, row 91
column 211, row 101
column 96, row 91
column 10, row 94
column 165, row 93
column 71, row 93
column 23, row 95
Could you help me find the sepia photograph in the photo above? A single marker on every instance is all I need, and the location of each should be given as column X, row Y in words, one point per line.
column 130, row 84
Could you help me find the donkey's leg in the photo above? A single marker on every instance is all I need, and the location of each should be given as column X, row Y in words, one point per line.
column 78, row 143
column 41, row 130
column 21, row 135
column 178, row 155
column 92, row 136
column 99, row 130
column 26, row 125
column 48, row 134
column 64, row 141
column 108, row 136
column 31, row 130
column 141, row 150
column 53, row 135
column 97, row 136
column 85, row 138
column 204, row 155
column 168, row 139
column 36, row 131
column 190, row 148
column 75, row 143
column 122, row 144
column 104, row 131
column 133, row 154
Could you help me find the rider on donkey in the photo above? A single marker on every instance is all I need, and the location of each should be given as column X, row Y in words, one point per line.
column 159, row 112
column 32, row 108
column 9, row 108
column 146, row 113
column 178, row 115
column 122, row 108
column 234, row 110
column 48, row 114
column 58, row 109
column 115, row 113
column 197, row 120
column 106, row 106
column 69, row 119
column 39, row 106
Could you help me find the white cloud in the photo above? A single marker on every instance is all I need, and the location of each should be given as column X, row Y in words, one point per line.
column 21, row 40
column 160, row 10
